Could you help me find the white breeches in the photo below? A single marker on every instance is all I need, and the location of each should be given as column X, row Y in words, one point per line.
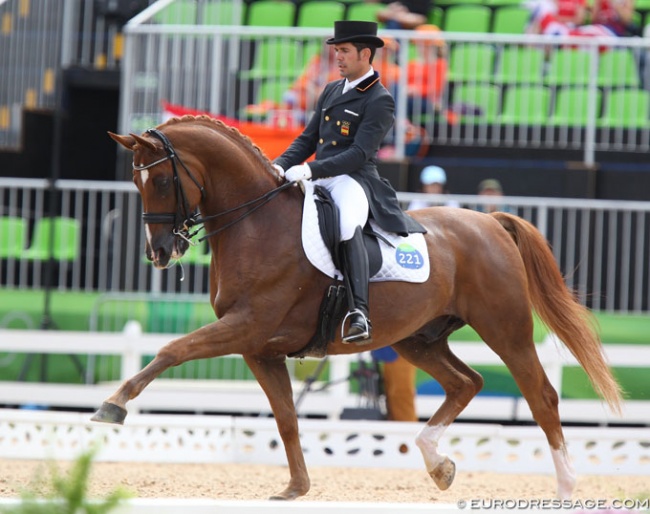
column 351, row 200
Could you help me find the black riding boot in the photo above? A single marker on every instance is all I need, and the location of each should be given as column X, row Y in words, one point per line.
column 355, row 262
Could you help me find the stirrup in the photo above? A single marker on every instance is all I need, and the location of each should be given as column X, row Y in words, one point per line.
column 362, row 337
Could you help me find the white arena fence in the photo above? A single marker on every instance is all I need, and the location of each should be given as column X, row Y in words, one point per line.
column 602, row 246
column 346, row 443
column 329, row 399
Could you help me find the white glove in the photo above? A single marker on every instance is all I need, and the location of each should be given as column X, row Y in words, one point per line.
column 298, row 172
column 280, row 169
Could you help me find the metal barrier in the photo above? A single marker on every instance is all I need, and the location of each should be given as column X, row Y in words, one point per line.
column 513, row 91
column 590, row 94
column 602, row 246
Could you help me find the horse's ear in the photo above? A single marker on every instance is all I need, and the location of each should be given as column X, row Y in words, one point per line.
column 131, row 140
column 144, row 143
column 127, row 142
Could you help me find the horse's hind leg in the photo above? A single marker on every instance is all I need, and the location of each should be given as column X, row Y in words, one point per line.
column 512, row 340
column 273, row 377
column 460, row 383
column 523, row 363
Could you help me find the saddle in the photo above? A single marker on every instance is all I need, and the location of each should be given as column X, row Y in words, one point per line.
column 390, row 257
column 329, row 225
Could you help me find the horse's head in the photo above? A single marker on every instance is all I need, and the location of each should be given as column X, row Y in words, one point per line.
column 170, row 194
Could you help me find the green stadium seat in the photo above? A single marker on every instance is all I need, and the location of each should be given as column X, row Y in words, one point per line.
column 572, row 106
column 66, row 243
column 627, row 108
column 618, row 68
column 520, row 65
column 13, row 237
column 467, row 18
column 268, row 95
column 181, row 12
column 364, row 11
column 276, row 58
column 224, row 12
column 271, row 13
column 447, row 3
column 477, row 104
column 316, row 13
column 510, row 19
column 471, row 62
column 568, row 67
column 525, row 105
column 436, row 15
column 642, row 5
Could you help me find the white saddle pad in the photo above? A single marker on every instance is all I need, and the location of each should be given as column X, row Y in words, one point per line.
column 407, row 260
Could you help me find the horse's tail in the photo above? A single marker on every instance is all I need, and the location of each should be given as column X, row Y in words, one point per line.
column 557, row 307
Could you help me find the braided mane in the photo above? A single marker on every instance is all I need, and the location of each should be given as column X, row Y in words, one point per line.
column 228, row 131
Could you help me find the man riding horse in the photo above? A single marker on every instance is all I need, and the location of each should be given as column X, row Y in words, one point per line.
column 352, row 117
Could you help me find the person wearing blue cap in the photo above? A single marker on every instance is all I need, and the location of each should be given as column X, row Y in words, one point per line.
column 433, row 181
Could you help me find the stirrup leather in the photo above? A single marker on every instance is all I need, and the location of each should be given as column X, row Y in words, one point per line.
column 360, row 336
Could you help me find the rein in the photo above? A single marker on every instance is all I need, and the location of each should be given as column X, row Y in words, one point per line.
column 261, row 201
column 182, row 220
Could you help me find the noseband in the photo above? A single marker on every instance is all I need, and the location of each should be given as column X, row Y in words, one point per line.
column 182, row 219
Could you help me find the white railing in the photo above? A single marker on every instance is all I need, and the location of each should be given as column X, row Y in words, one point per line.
column 157, row 69
column 345, row 443
column 247, row 397
column 600, row 245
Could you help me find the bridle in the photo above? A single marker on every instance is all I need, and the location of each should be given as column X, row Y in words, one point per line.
column 183, row 220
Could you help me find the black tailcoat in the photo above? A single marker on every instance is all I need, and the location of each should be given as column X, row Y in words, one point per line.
column 345, row 133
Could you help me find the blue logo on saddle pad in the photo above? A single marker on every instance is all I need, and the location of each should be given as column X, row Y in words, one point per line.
column 408, row 257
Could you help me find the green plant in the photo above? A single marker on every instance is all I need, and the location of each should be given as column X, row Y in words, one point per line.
column 66, row 493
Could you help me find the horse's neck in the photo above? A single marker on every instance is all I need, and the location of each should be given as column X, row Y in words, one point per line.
column 267, row 228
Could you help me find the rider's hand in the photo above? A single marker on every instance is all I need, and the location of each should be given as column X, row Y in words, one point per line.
column 298, row 172
column 279, row 169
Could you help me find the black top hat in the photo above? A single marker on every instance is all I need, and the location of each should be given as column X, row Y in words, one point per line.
column 355, row 32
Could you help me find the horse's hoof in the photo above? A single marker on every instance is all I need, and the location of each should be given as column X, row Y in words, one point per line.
column 444, row 473
column 110, row 413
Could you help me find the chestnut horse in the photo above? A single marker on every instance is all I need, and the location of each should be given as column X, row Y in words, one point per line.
column 488, row 271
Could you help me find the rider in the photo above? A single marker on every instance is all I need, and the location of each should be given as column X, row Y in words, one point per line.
column 352, row 117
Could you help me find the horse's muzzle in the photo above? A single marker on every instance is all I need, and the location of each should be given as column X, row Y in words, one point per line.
column 171, row 249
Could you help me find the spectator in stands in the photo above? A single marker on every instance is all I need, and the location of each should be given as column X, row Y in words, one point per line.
column 406, row 14
column 320, row 70
column 427, row 75
column 545, row 20
column 385, row 63
column 491, row 188
column 572, row 12
column 616, row 15
column 433, row 181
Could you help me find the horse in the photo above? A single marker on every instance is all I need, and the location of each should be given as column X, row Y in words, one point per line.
column 488, row 271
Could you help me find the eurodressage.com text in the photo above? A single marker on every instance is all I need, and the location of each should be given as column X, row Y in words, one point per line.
column 555, row 503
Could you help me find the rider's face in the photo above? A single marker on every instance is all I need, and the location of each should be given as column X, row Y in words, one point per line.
column 351, row 63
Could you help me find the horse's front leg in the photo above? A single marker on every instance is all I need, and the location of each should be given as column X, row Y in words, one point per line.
column 273, row 376
column 213, row 340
